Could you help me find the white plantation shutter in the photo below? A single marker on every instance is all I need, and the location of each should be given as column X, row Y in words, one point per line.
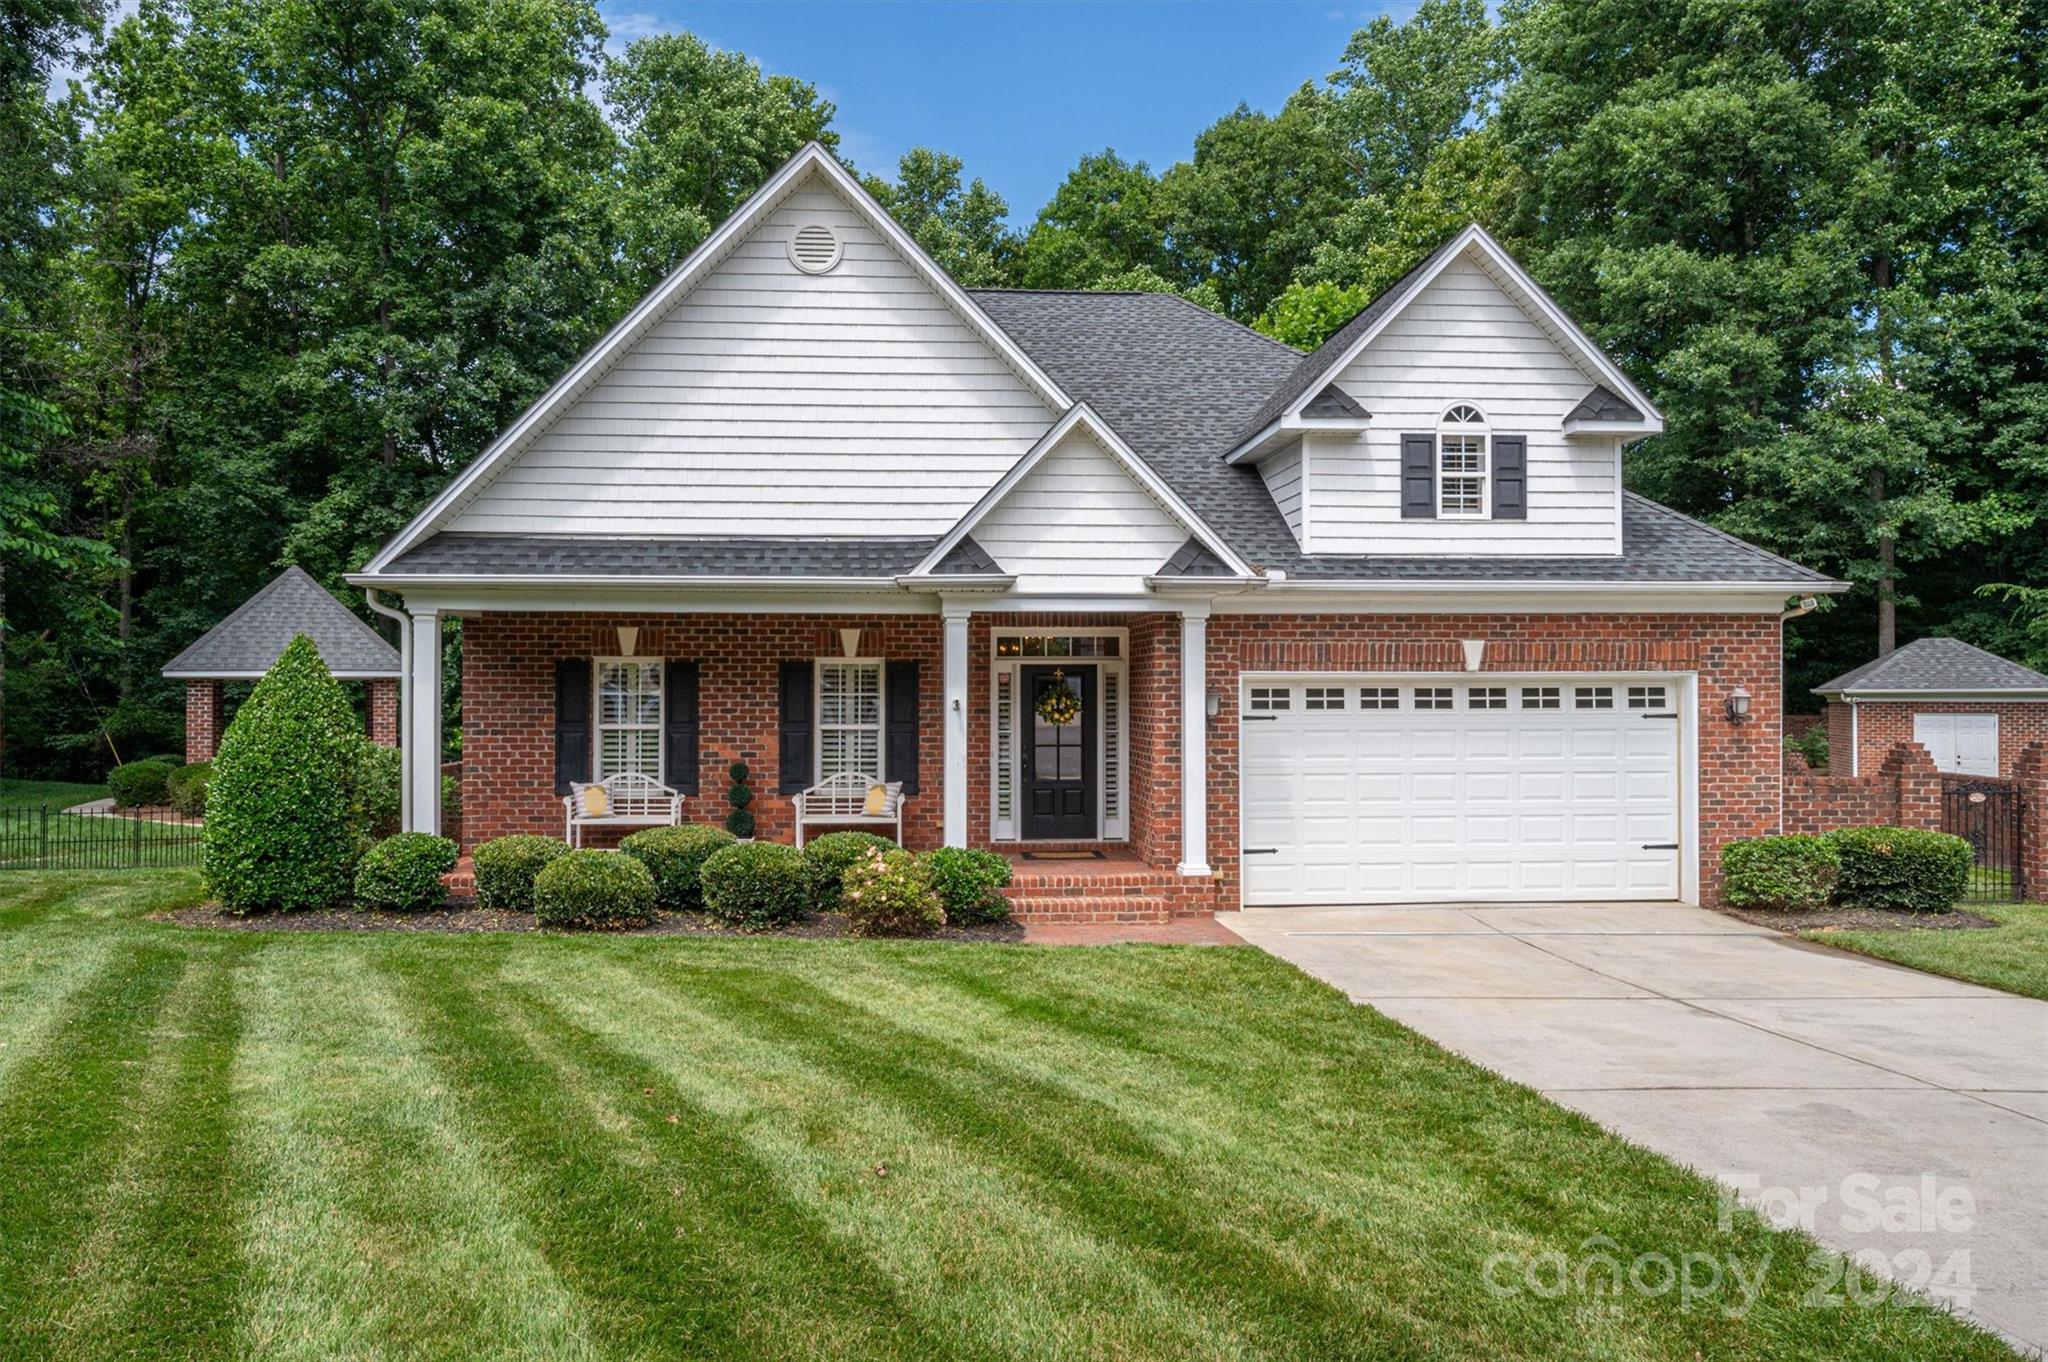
column 849, row 719
column 628, row 717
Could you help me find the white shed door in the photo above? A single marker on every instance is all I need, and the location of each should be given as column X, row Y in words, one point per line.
column 1358, row 790
column 1964, row 743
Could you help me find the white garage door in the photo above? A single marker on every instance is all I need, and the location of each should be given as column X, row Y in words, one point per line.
column 1364, row 790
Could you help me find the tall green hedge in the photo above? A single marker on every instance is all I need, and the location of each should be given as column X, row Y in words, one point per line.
column 277, row 815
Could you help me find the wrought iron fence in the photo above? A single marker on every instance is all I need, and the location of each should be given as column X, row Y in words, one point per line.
column 1986, row 814
column 45, row 837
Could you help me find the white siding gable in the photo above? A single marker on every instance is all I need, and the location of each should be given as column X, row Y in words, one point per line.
column 1079, row 520
column 771, row 402
column 1282, row 473
column 1464, row 339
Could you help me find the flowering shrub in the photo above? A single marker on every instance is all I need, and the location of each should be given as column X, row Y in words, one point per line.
column 888, row 893
column 826, row 859
column 969, row 884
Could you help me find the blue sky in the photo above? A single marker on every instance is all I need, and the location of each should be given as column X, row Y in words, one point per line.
column 1022, row 91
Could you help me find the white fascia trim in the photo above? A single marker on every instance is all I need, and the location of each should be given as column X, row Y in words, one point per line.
column 668, row 292
column 258, row 676
column 956, row 581
column 1258, row 446
column 1468, row 585
column 621, row 583
column 1108, row 439
column 1623, row 428
column 1204, row 586
column 1955, row 697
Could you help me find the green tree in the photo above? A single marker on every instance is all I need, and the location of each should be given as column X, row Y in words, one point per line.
column 1102, row 222
column 960, row 227
column 1406, row 90
column 702, row 130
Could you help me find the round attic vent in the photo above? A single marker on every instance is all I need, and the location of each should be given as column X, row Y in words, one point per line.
column 814, row 248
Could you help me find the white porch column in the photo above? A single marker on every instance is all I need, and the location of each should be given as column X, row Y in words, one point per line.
column 422, row 701
column 955, row 700
column 1194, row 740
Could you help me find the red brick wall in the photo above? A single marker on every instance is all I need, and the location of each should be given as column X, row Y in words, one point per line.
column 1841, row 739
column 1902, row 790
column 1884, row 724
column 508, row 704
column 2030, row 776
column 1739, row 763
column 204, row 710
column 381, row 699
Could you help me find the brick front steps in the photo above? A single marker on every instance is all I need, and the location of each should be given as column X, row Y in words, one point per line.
column 1113, row 890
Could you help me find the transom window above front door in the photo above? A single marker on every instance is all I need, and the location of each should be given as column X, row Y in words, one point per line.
column 1462, row 465
column 1051, row 780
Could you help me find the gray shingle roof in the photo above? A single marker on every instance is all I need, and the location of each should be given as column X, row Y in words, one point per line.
column 1948, row 665
column 1603, row 404
column 967, row 558
column 1334, row 402
column 248, row 641
column 1171, row 379
column 1193, row 559
column 460, row 554
column 1312, row 366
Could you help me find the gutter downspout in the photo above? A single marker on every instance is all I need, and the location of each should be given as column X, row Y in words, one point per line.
column 405, row 742
column 1805, row 607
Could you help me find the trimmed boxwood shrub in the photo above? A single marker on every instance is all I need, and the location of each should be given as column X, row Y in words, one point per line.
column 1795, row 871
column 755, row 884
column 675, row 857
column 140, row 783
column 593, row 889
column 187, row 786
column 376, row 798
column 403, row 874
column 969, row 884
column 1912, row 868
column 889, row 893
column 505, row 869
column 826, row 858
column 277, row 816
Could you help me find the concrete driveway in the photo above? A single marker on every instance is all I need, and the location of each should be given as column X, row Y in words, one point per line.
column 1779, row 1067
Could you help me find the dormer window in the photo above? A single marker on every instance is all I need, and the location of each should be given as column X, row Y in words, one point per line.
column 1462, row 464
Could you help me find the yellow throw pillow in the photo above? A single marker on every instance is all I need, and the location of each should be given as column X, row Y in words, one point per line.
column 878, row 801
column 593, row 801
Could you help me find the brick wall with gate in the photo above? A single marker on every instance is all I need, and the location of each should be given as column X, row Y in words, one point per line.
column 508, row 709
column 1902, row 790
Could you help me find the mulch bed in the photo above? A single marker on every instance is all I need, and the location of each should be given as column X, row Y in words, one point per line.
column 1860, row 919
column 467, row 917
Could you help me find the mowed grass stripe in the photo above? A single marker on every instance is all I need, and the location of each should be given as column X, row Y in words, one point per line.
column 159, row 1273
column 671, row 1231
column 375, row 1228
column 71, row 900
column 968, row 1244
column 67, row 1116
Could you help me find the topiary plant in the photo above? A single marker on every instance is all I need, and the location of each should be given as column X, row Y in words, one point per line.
column 969, row 884
column 740, row 822
column 826, row 859
column 277, row 827
column 755, row 884
column 675, row 857
column 140, row 784
column 506, row 866
column 1917, row 869
column 593, row 889
column 402, row 874
column 889, row 893
column 1792, row 872
column 187, row 786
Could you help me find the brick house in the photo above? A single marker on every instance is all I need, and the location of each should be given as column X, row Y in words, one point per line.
column 1104, row 573
column 1973, row 711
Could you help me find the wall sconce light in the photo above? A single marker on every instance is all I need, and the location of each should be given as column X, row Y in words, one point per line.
column 1212, row 704
column 1738, row 704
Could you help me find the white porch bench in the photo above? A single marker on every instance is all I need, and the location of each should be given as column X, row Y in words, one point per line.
column 631, row 800
column 842, row 802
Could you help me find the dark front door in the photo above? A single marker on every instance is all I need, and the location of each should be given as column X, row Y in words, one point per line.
column 1059, row 759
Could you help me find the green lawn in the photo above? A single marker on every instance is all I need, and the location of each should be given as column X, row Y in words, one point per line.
column 2012, row 956
column 29, row 840
column 309, row 1145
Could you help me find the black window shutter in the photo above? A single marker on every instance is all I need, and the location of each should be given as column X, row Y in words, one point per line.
column 1418, row 477
column 794, row 730
column 900, row 760
column 1510, row 477
column 572, row 721
column 679, row 719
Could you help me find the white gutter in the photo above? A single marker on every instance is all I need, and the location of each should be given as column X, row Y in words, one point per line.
column 405, row 742
column 645, row 582
column 1551, row 587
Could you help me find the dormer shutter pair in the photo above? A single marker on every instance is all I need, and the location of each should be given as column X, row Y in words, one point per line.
column 1507, row 475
